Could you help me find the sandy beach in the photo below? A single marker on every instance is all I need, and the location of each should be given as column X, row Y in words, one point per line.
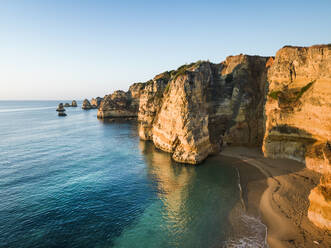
column 278, row 194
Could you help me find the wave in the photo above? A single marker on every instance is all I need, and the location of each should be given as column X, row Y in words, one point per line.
column 23, row 109
column 247, row 231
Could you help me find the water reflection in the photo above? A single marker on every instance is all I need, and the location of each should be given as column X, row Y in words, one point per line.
column 192, row 204
column 171, row 179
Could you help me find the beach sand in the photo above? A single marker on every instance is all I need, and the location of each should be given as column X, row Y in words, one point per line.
column 276, row 191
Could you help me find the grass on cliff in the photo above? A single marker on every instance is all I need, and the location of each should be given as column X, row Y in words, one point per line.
column 292, row 96
column 274, row 94
column 304, row 89
column 182, row 69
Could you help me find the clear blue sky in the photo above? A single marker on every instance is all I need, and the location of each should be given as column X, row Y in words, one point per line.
column 66, row 49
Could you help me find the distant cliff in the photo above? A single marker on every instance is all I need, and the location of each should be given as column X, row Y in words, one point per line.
column 281, row 103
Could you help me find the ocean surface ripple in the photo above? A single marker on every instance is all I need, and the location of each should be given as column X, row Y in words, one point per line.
column 81, row 182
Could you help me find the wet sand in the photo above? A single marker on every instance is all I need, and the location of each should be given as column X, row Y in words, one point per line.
column 278, row 194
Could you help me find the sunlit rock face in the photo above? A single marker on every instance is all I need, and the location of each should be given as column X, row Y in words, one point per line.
column 298, row 117
column 121, row 104
column 150, row 103
column 86, row 105
column 281, row 103
column 205, row 105
column 319, row 211
column 95, row 102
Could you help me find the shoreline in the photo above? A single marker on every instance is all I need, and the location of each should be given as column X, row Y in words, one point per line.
column 276, row 191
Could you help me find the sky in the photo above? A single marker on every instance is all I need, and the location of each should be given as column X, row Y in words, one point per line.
column 76, row 49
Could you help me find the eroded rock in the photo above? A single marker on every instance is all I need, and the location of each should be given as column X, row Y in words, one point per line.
column 86, row 105
column 60, row 108
column 298, row 118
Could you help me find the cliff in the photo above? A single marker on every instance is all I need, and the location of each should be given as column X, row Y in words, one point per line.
column 207, row 104
column 298, row 117
column 96, row 102
column 280, row 103
column 121, row 104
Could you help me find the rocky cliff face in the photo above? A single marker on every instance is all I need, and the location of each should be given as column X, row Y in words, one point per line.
column 205, row 104
column 150, row 103
column 96, row 102
column 121, row 104
column 281, row 103
column 298, row 117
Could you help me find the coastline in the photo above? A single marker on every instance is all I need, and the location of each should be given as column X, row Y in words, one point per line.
column 278, row 195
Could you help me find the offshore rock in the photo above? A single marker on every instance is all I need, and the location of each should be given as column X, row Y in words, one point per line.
column 60, row 108
column 67, row 105
column 95, row 102
column 74, row 103
column 86, row 105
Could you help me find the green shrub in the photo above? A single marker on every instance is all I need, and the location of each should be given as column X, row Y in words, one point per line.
column 304, row 89
column 274, row 94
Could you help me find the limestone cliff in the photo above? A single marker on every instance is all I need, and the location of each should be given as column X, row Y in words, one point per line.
column 298, row 117
column 120, row 103
column 281, row 103
column 206, row 104
column 96, row 102
column 150, row 103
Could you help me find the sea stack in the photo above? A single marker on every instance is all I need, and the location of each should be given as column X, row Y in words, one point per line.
column 74, row 103
column 95, row 102
column 67, row 105
column 86, row 105
column 60, row 108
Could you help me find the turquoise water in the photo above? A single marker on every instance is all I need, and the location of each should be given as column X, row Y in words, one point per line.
column 76, row 181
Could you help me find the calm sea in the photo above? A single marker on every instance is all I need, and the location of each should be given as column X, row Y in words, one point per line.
column 76, row 181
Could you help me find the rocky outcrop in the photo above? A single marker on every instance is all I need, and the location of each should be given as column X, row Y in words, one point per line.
column 319, row 211
column 67, row 105
column 298, row 117
column 60, row 108
column 87, row 105
column 74, row 103
column 121, row 104
column 208, row 104
column 150, row 103
column 95, row 102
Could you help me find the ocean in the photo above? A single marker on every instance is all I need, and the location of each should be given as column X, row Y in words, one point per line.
column 77, row 181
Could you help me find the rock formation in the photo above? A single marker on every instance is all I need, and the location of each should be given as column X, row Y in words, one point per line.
column 281, row 103
column 67, row 105
column 121, row 104
column 86, row 105
column 62, row 114
column 298, row 117
column 95, row 102
column 206, row 104
column 60, row 108
column 74, row 103
column 150, row 104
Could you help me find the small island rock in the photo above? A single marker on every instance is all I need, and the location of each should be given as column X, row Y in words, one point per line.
column 60, row 108
column 86, row 105
column 74, row 103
